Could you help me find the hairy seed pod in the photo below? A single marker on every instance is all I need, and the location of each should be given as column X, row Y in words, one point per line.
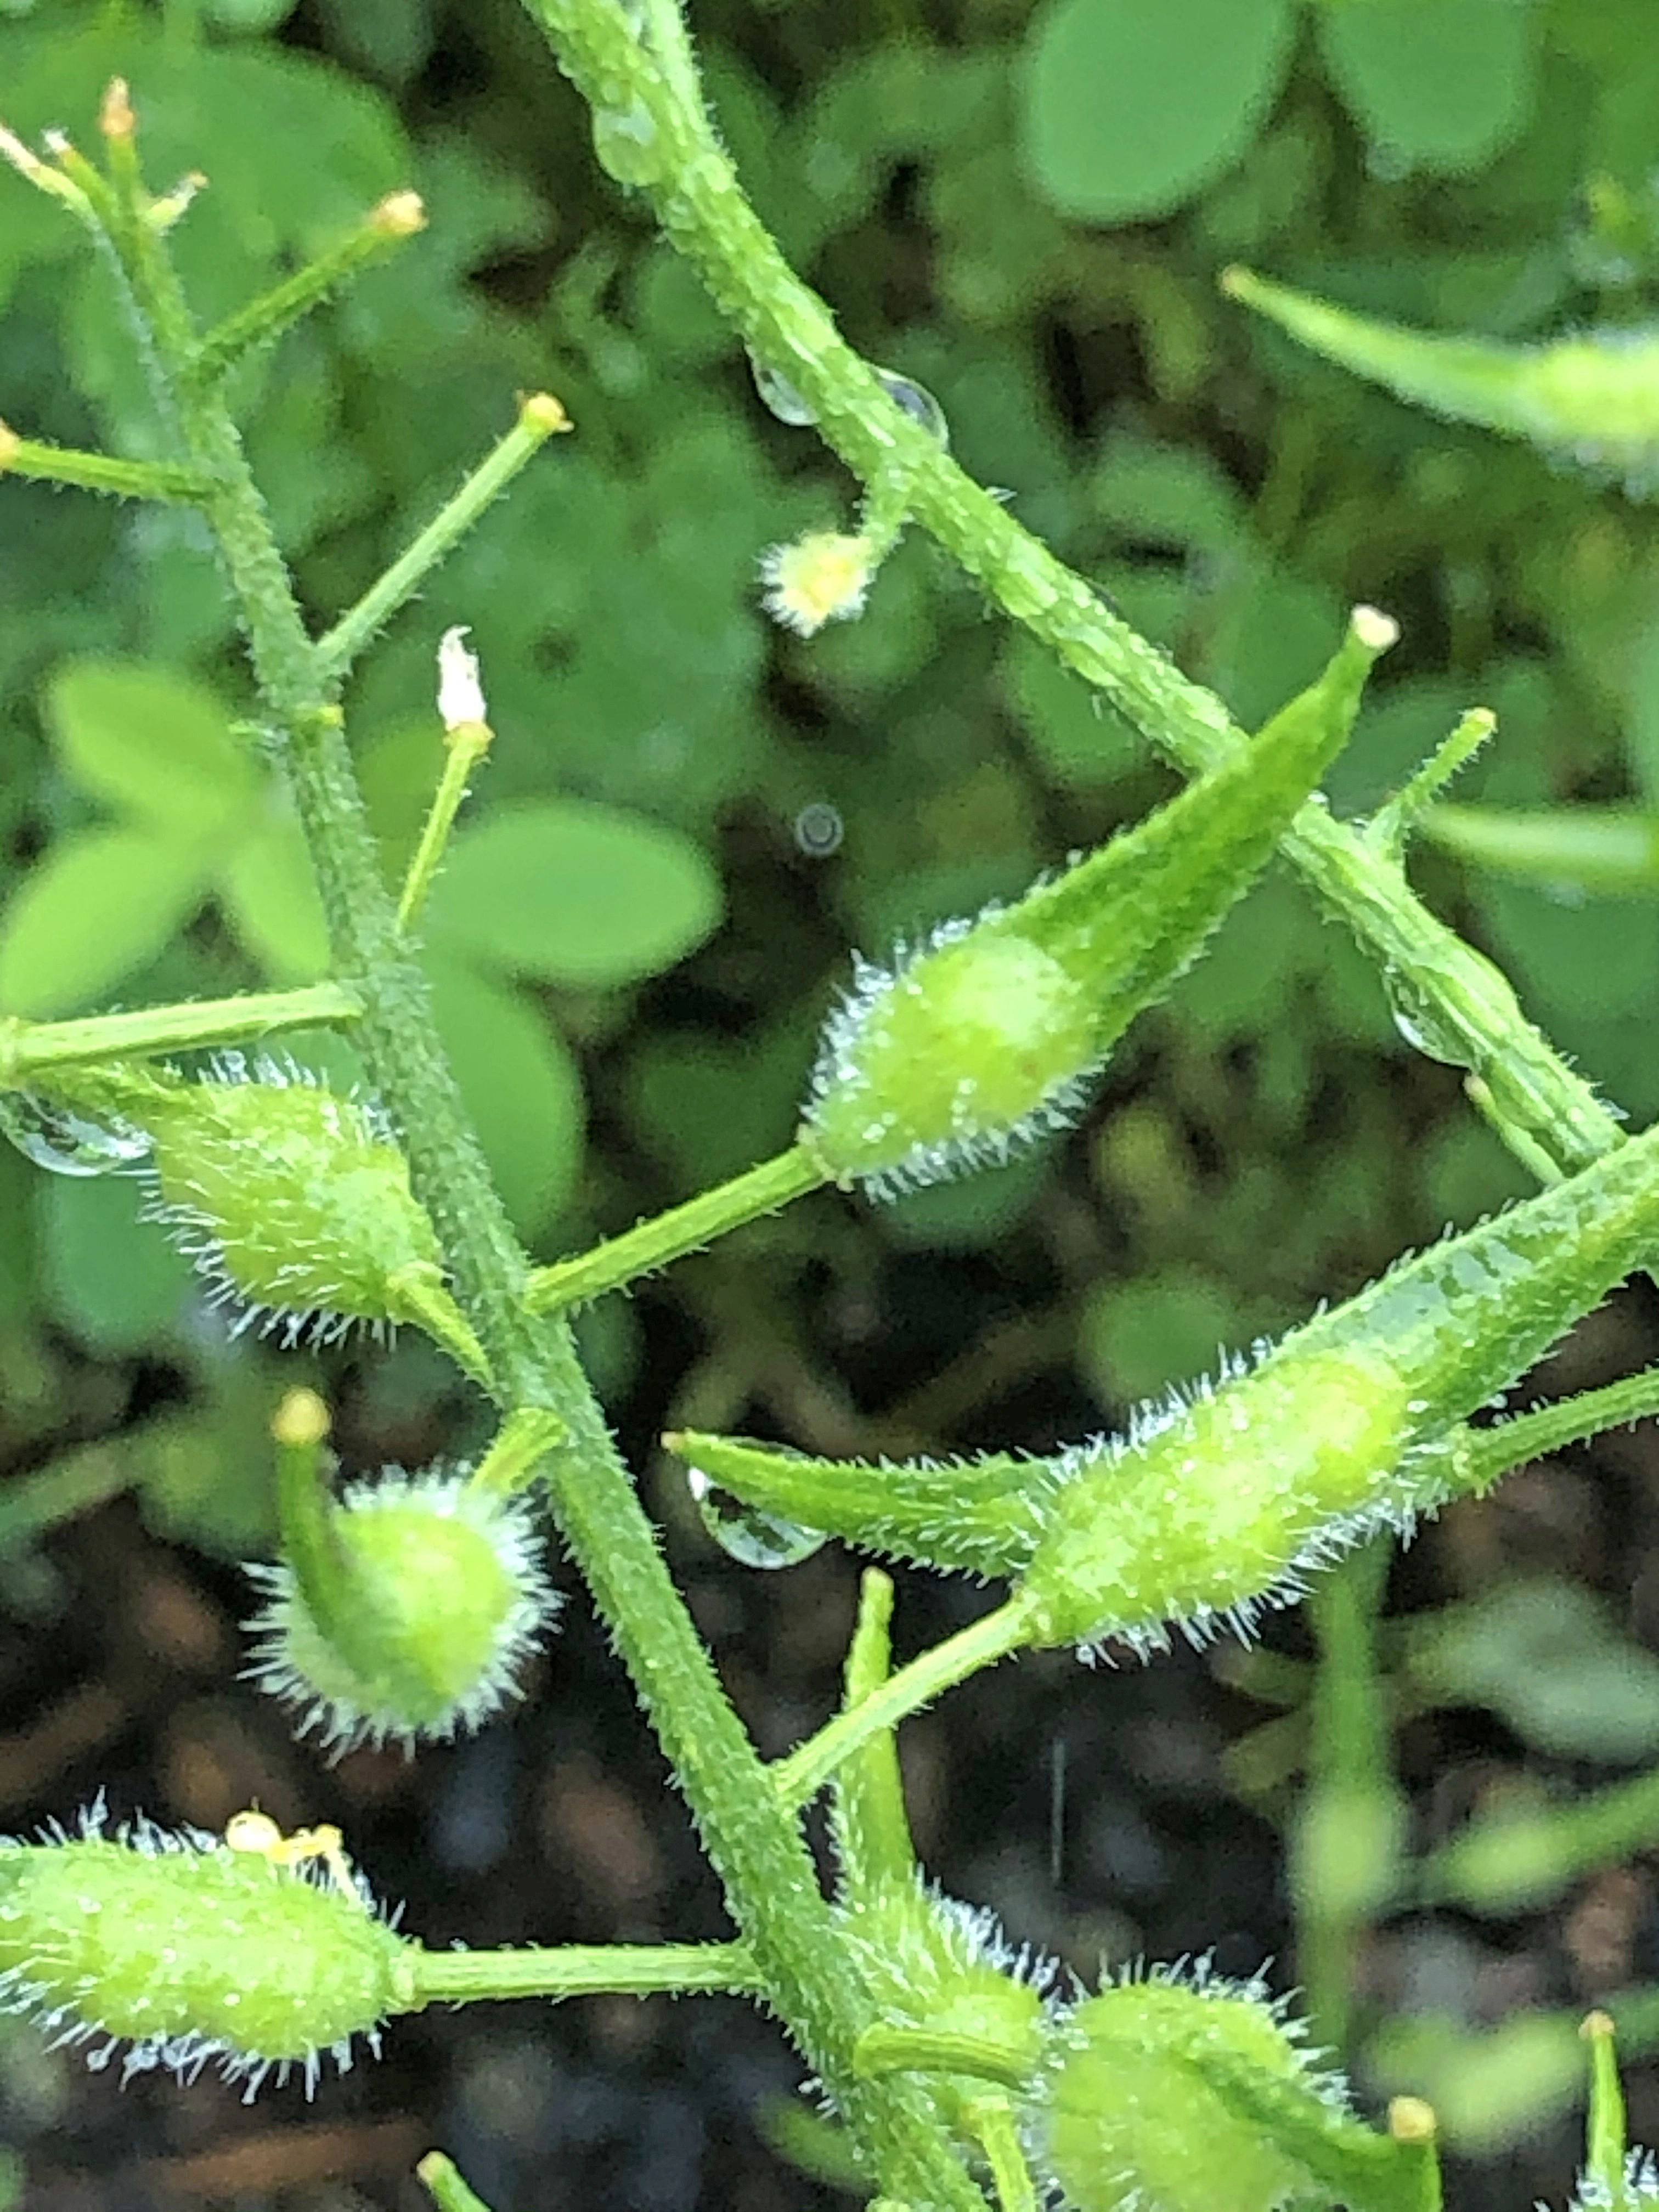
column 190, row 1953
column 403, row 1613
column 293, row 1202
column 989, row 1034
column 1127, row 2119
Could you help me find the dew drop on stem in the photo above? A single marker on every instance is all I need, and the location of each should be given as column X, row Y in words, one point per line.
column 779, row 397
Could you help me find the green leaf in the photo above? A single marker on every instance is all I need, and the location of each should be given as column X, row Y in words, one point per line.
column 96, row 908
column 250, row 18
column 112, row 1280
column 151, row 742
column 269, row 893
column 1613, row 850
column 1435, row 84
column 571, row 892
column 1545, row 1657
column 520, row 1087
column 1593, row 400
column 1130, row 110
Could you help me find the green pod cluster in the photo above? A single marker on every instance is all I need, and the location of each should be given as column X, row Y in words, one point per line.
column 292, row 1201
column 404, row 1612
column 1134, row 2112
column 987, row 1036
column 192, row 1954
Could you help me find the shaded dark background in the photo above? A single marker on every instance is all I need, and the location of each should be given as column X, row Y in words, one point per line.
column 1264, row 1140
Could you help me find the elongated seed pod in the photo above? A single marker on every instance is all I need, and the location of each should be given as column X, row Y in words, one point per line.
column 1347, row 1426
column 189, row 1954
column 988, row 1035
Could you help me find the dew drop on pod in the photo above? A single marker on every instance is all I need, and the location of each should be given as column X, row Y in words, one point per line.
column 987, row 1036
column 291, row 1201
column 1126, row 2119
column 189, row 1954
column 402, row 1612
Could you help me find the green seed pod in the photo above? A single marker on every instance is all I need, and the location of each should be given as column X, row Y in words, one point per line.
column 988, row 1035
column 1127, row 2119
column 190, row 1953
column 1215, row 1508
column 404, row 1613
column 292, row 1201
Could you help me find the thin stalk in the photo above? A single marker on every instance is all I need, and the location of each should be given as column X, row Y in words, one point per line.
column 670, row 1235
column 43, row 463
column 697, row 199
column 1486, row 1454
column 891, row 2047
column 754, row 1843
column 522, row 1443
column 398, row 216
column 36, row 1047
column 442, row 2180
column 540, row 417
column 578, row 1970
column 798, row 1779
column 464, row 747
column 992, row 2123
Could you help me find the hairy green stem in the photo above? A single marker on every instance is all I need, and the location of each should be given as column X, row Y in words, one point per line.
column 753, row 1841
column 36, row 1047
column 540, row 417
column 670, row 1235
column 676, row 161
column 798, row 1779
column 107, row 472
column 584, row 1969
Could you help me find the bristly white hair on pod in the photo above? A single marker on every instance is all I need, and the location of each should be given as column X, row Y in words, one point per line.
column 1640, row 2186
column 454, row 1600
column 290, row 1200
column 961, row 1052
column 168, row 1948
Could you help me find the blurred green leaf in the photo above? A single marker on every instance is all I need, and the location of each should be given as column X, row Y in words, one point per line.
column 1545, row 1657
column 1130, row 110
column 576, row 893
column 111, row 1279
column 149, row 742
column 1435, row 84
column 1138, row 1337
column 520, row 1085
column 1489, row 2086
column 93, row 910
column 1610, row 850
column 269, row 894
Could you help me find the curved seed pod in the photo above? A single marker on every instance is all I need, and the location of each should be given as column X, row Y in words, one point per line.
column 1592, row 399
column 403, row 1613
column 988, row 1035
column 293, row 1202
column 980, row 1517
column 190, row 1953
column 1126, row 2117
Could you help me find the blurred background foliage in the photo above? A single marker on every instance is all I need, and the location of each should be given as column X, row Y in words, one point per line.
column 687, row 822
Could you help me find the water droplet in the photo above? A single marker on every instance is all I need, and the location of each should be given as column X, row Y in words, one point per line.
column 917, row 402
column 66, row 1142
column 819, row 830
column 748, row 1534
column 1420, row 1023
column 626, row 143
column 779, row 397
